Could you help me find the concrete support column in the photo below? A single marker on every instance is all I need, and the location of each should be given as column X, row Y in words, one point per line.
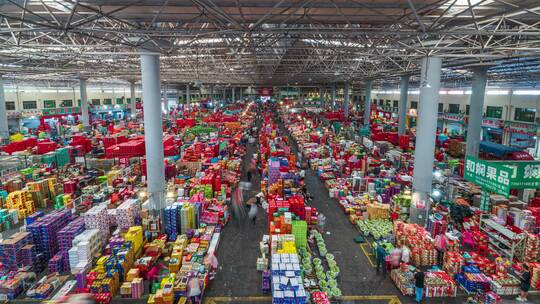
column 133, row 105
column 84, row 104
column 321, row 93
column 346, row 100
column 212, row 92
column 188, row 97
column 334, row 103
column 233, row 90
column 241, row 94
column 430, row 82
column 402, row 113
column 165, row 101
column 4, row 128
column 153, row 133
column 474, row 128
column 224, row 95
column 367, row 104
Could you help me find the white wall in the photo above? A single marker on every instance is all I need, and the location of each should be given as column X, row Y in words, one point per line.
column 20, row 94
column 508, row 101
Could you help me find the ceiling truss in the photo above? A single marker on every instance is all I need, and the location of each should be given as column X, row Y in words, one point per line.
column 270, row 42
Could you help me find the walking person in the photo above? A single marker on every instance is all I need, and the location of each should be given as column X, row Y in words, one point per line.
column 194, row 290
column 253, row 213
column 419, row 285
column 441, row 243
column 381, row 254
column 525, row 284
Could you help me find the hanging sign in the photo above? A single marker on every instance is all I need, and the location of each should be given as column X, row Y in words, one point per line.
column 491, row 176
column 525, row 174
column 485, row 202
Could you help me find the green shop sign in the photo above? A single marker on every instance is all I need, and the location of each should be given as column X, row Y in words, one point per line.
column 525, row 174
column 494, row 177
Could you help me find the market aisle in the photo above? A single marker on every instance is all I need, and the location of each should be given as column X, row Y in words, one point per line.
column 357, row 276
column 239, row 248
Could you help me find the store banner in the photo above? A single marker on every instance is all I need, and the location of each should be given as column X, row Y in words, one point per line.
column 494, row 177
column 266, row 91
column 492, row 123
column 525, row 174
column 521, row 128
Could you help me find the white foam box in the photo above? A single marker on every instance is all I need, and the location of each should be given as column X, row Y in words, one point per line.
column 288, row 294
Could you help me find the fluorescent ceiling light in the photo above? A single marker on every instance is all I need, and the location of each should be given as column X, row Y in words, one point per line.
column 497, row 92
column 455, row 92
column 527, row 92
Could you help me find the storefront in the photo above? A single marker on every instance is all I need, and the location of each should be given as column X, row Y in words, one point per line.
column 14, row 121
column 520, row 135
column 492, row 130
column 109, row 112
column 31, row 119
column 452, row 124
column 412, row 118
column 387, row 115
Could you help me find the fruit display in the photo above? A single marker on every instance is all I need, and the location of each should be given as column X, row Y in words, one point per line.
column 378, row 228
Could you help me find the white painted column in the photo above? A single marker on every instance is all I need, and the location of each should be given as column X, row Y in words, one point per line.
column 476, row 111
column 430, row 82
column 367, row 104
column 233, row 94
column 402, row 112
column 188, row 97
column 4, row 128
column 346, row 100
column 133, row 105
column 334, row 104
column 85, row 115
column 153, row 133
column 165, row 101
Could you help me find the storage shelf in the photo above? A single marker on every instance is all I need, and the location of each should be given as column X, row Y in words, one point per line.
column 499, row 234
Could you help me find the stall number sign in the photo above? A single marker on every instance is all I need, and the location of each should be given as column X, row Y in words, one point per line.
column 490, row 176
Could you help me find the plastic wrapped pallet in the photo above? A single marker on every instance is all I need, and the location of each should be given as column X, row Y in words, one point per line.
column 97, row 218
column 45, row 231
column 85, row 246
column 127, row 213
